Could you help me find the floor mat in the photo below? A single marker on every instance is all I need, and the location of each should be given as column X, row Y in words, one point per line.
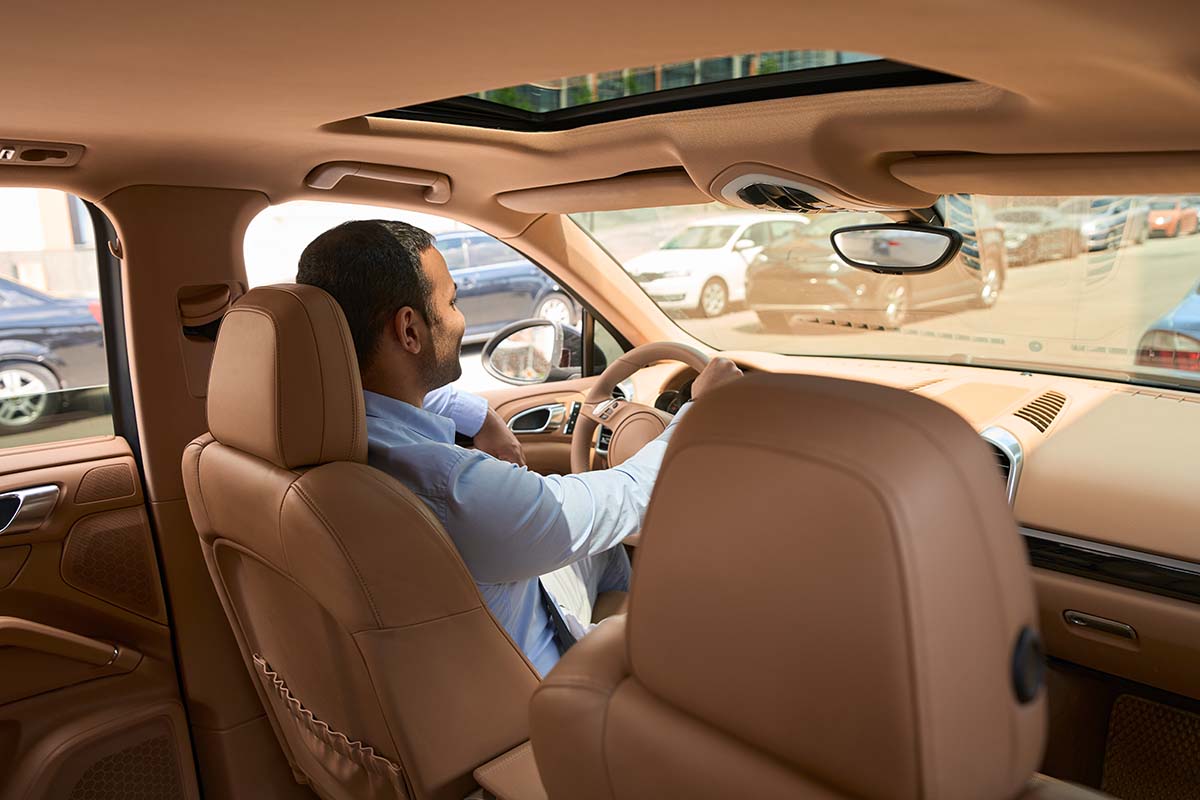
column 1153, row 752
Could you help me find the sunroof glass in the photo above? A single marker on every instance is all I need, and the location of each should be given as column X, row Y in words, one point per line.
column 565, row 103
column 598, row 87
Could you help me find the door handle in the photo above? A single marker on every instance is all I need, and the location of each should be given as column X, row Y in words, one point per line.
column 17, row 632
column 26, row 509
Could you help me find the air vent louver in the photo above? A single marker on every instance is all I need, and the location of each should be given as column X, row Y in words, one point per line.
column 1003, row 461
column 1042, row 411
column 784, row 198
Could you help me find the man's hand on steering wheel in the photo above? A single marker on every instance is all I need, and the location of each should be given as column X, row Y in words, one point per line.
column 719, row 372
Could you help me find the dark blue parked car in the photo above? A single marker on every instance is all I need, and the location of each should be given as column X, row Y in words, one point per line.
column 497, row 285
column 1173, row 342
column 46, row 344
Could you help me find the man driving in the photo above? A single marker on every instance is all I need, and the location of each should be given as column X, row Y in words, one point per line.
column 510, row 525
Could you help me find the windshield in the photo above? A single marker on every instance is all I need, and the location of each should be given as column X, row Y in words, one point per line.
column 702, row 237
column 1118, row 301
column 1019, row 217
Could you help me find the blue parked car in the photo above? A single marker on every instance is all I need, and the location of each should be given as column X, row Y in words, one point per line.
column 1173, row 342
column 497, row 285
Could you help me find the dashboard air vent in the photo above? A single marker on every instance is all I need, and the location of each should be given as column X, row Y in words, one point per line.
column 1042, row 411
column 1003, row 461
column 784, row 198
column 1006, row 449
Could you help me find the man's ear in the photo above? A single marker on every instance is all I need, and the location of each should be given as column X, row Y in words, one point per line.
column 408, row 326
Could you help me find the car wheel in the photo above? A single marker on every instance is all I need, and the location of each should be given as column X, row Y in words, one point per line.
column 25, row 393
column 893, row 305
column 775, row 321
column 990, row 284
column 556, row 307
column 714, row 298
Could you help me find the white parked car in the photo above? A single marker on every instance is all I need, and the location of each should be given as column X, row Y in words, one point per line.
column 702, row 269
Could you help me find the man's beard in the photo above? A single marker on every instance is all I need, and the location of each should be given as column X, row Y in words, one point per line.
column 439, row 369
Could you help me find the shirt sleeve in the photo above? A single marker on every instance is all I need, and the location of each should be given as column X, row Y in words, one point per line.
column 512, row 524
column 466, row 410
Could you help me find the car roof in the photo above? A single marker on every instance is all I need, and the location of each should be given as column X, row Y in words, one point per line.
column 1043, row 87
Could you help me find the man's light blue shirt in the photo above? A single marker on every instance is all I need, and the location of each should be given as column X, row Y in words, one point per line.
column 511, row 525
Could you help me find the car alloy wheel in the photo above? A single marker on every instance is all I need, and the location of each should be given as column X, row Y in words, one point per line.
column 556, row 308
column 23, row 394
column 989, row 289
column 714, row 298
column 893, row 304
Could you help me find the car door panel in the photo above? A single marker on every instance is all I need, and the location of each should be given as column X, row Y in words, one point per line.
column 83, row 580
column 549, row 452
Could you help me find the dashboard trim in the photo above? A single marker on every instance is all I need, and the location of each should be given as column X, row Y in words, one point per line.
column 1010, row 445
column 1119, row 566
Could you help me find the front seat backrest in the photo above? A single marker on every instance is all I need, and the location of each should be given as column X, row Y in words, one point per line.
column 831, row 600
column 382, row 670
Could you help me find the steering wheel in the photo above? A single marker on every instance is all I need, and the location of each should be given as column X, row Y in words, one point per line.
column 632, row 424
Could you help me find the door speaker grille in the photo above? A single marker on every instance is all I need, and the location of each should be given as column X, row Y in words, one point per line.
column 110, row 556
column 1153, row 751
column 148, row 770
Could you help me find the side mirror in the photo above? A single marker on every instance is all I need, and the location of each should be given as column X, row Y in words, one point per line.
column 535, row 351
column 745, row 244
column 896, row 249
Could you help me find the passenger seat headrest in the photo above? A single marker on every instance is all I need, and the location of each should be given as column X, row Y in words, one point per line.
column 829, row 571
column 284, row 384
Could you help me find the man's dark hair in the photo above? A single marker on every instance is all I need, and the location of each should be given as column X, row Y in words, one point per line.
column 373, row 269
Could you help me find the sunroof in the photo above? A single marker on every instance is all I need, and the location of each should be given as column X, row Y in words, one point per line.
column 578, row 100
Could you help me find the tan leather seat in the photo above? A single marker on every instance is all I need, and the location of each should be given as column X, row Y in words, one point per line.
column 377, row 661
column 830, row 600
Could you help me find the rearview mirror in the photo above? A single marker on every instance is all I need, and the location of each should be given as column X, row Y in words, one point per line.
column 896, row 249
column 744, row 244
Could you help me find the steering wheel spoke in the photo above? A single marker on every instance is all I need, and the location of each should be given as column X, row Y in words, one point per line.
column 601, row 408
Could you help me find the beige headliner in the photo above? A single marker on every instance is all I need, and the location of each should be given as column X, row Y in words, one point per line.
column 254, row 95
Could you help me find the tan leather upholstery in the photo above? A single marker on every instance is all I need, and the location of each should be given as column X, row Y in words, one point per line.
column 284, row 384
column 828, row 594
column 381, row 668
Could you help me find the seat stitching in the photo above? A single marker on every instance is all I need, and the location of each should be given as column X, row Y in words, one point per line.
column 341, row 546
column 444, row 538
column 497, row 763
column 312, row 329
column 349, row 352
column 352, row 355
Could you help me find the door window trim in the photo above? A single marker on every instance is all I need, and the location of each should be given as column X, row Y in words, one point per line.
column 116, row 343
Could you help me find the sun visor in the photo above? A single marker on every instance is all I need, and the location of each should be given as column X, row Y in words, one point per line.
column 671, row 187
column 1050, row 174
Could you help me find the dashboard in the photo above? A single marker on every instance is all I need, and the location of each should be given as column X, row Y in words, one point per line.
column 1102, row 480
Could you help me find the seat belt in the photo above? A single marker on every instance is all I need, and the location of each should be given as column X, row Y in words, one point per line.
column 563, row 637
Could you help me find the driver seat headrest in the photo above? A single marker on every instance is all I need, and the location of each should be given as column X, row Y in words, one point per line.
column 831, row 593
column 284, row 384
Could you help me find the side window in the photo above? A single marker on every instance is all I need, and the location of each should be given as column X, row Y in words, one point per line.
column 53, row 365
column 483, row 251
column 784, row 230
column 454, row 253
column 489, row 299
column 608, row 345
column 758, row 234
